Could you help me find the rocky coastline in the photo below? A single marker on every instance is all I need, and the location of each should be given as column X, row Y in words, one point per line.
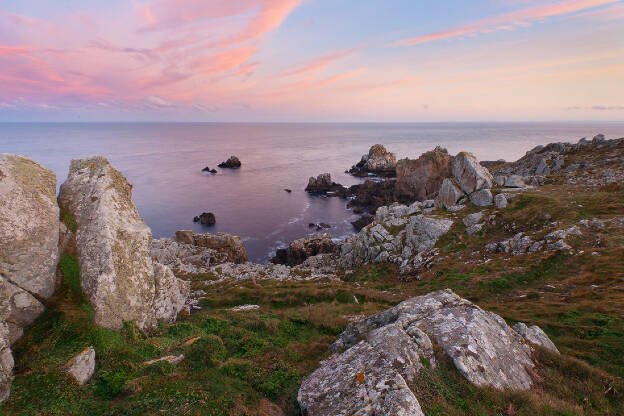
column 426, row 220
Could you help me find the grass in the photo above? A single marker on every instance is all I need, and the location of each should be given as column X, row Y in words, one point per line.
column 239, row 361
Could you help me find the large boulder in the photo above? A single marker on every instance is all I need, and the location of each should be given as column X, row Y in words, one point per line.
column 299, row 250
column 378, row 161
column 469, row 174
column 113, row 244
column 376, row 359
column 231, row 246
column 29, row 225
column 29, row 240
column 449, row 194
column 423, row 177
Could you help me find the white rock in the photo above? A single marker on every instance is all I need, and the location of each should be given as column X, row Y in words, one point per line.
column 245, row 308
column 472, row 219
column 535, row 335
column 82, row 366
column 515, row 181
column 376, row 359
column 469, row 174
column 29, row 225
column 500, row 201
column 481, row 198
column 448, row 195
column 500, row 180
column 116, row 270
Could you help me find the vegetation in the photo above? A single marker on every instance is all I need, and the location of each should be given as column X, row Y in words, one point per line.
column 243, row 363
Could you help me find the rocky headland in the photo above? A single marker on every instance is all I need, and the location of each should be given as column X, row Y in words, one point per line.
column 475, row 288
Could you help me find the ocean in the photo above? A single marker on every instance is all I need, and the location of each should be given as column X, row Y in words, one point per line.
column 164, row 161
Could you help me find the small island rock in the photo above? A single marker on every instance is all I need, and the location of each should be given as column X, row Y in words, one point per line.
column 232, row 163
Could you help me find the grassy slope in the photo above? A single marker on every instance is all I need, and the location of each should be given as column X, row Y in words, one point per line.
column 246, row 361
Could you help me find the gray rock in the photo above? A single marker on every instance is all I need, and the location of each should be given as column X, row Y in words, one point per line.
column 455, row 208
column 379, row 159
column 429, row 203
column 21, row 309
column 29, row 248
column 535, row 335
column 515, row 181
column 500, row 201
column 474, row 228
column 116, row 270
column 485, row 350
column 376, row 359
column 448, row 195
column 6, row 357
column 472, row 219
column 82, row 366
column 469, row 174
column 171, row 293
column 371, row 377
column 500, row 180
column 374, row 243
column 481, row 198
column 29, row 225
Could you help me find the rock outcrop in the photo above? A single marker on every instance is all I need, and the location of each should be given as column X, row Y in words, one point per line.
column 113, row 243
column 29, row 240
column 299, row 250
column 521, row 243
column 423, row 177
column 400, row 235
column 82, row 366
column 469, row 180
column 229, row 245
column 323, row 184
column 377, row 358
column 232, row 163
column 377, row 161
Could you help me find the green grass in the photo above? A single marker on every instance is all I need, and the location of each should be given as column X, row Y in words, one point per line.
column 241, row 359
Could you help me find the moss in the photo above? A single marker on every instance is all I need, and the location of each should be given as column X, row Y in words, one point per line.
column 68, row 219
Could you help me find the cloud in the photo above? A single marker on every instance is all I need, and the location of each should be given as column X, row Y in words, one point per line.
column 158, row 103
column 597, row 108
column 309, row 84
column 223, row 61
column 316, row 64
column 508, row 21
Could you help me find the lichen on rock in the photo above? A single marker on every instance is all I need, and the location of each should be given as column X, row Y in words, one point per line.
column 113, row 242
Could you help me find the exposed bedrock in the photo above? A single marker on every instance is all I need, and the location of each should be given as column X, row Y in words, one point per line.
column 377, row 161
column 375, row 360
column 421, row 178
column 299, row 250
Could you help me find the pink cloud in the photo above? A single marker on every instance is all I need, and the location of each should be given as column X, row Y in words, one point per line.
column 223, row 61
column 317, row 63
column 13, row 50
column 509, row 20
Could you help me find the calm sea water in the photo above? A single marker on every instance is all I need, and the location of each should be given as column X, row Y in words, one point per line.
column 164, row 162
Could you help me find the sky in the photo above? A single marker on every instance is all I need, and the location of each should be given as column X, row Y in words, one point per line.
column 311, row 60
